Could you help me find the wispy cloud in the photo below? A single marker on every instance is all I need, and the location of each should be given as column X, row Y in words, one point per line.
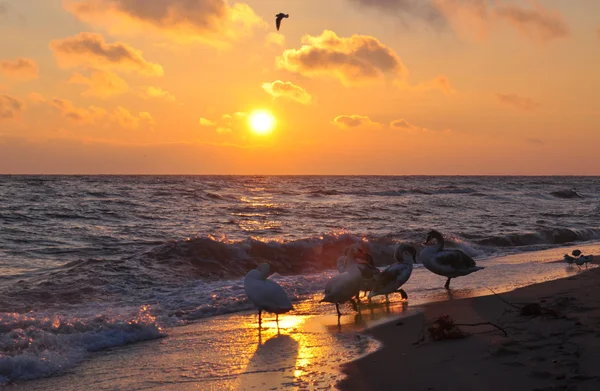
column 212, row 22
column 535, row 141
column 152, row 92
column 476, row 17
column 119, row 116
column 101, row 84
column 519, row 102
column 228, row 123
column 354, row 121
column 10, row 107
column 287, row 90
column 536, row 23
column 89, row 50
column 275, row 39
column 22, row 69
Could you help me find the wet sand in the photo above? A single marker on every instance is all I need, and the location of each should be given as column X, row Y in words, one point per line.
column 308, row 350
column 540, row 352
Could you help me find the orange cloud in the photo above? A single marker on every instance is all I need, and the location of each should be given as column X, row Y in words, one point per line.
column 120, row 116
column 537, row 23
column 518, row 102
column 101, row 84
column 275, row 39
column 288, row 90
column 403, row 124
column 20, row 69
column 89, row 50
column 212, row 22
column 77, row 114
column 156, row 93
column 10, row 107
column 126, row 119
column 357, row 59
column 353, row 121
column 440, row 83
column 228, row 123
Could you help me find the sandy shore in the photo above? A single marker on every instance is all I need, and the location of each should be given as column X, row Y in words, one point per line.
column 540, row 352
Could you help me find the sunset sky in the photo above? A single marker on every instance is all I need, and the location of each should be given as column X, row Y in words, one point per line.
column 355, row 87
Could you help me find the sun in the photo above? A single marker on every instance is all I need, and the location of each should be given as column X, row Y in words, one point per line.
column 261, row 122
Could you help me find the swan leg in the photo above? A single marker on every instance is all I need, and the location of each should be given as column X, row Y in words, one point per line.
column 402, row 293
column 259, row 317
column 337, row 307
column 354, row 306
column 387, row 299
column 447, row 286
column 277, row 319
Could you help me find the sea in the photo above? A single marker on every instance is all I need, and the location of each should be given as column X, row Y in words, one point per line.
column 89, row 263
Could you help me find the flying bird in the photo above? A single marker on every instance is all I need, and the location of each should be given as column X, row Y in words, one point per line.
column 278, row 18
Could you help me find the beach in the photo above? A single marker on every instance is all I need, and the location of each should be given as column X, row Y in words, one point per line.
column 549, row 352
column 373, row 350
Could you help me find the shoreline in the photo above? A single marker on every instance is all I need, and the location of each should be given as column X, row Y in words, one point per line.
column 228, row 351
column 539, row 353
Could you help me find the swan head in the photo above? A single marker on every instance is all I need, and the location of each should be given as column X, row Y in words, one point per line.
column 406, row 253
column 433, row 234
column 264, row 270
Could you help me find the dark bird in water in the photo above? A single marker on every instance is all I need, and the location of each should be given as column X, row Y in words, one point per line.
column 278, row 18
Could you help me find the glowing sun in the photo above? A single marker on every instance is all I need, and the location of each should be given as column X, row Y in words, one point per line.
column 261, row 122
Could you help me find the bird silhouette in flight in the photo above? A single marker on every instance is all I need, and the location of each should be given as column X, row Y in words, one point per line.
column 278, row 17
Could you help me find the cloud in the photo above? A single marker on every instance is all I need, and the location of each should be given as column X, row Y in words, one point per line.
column 228, row 123
column 517, row 101
column 535, row 141
column 403, row 124
column 10, row 107
column 598, row 32
column 126, row 119
column 89, row 50
column 288, row 90
column 20, row 69
column 212, row 22
column 101, row 84
column 119, row 116
column 357, row 59
column 537, row 23
column 77, row 114
column 275, row 39
column 36, row 97
column 3, row 9
column 156, row 93
column 353, row 121
column 207, row 122
column 440, row 83
column 424, row 10
column 475, row 17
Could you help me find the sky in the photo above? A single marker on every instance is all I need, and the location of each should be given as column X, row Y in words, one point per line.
column 358, row 87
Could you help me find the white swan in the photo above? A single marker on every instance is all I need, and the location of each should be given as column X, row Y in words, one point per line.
column 447, row 263
column 266, row 295
column 345, row 286
column 394, row 276
column 368, row 268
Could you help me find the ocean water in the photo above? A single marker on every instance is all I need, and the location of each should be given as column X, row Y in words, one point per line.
column 92, row 262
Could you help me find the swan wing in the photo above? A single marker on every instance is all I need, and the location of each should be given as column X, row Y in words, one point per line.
column 455, row 259
column 268, row 295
